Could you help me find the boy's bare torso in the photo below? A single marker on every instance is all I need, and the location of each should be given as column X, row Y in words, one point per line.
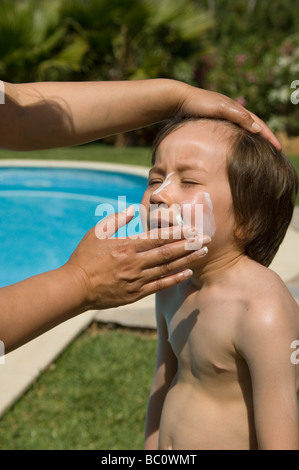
column 209, row 404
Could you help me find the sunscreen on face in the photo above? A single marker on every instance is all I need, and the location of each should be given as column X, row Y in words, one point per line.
column 208, row 216
column 165, row 183
column 179, row 219
column 198, row 213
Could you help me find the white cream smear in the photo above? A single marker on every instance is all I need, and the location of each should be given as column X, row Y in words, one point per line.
column 165, row 183
column 198, row 213
column 179, row 219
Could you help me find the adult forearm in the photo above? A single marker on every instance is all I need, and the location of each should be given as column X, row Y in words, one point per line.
column 54, row 114
column 37, row 304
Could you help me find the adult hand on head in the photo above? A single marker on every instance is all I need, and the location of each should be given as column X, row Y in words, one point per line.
column 204, row 103
column 57, row 114
column 118, row 271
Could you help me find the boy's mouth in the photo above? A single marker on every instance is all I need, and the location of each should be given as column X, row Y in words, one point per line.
column 159, row 223
column 159, row 219
column 198, row 212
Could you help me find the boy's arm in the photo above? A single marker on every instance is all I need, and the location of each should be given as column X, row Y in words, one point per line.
column 166, row 368
column 57, row 114
column 265, row 344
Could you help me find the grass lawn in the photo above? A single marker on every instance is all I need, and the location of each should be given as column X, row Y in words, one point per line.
column 88, row 152
column 93, row 397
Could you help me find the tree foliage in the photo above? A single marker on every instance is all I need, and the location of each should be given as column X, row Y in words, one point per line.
column 35, row 43
column 246, row 49
column 256, row 57
column 135, row 39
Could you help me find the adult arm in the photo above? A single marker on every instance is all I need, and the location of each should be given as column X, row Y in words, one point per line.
column 100, row 274
column 265, row 344
column 166, row 368
column 55, row 114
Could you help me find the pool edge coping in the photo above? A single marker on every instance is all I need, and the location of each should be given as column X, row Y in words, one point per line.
column 83, row 165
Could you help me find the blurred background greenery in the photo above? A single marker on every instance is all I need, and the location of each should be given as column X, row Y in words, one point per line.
column 246, row 49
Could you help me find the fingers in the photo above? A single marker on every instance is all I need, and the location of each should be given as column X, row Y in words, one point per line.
column 248, row 120
column 165, row 255
column 162, row 236
column 160, row 277
column 167, row 267
column 266, row 132
column 234, row 112
column 111, row 224
column 217, row 105
column 124, row 217
column 200, row 102
column 166, row 282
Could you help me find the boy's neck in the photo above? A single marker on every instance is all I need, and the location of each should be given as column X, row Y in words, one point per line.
column 216, row 270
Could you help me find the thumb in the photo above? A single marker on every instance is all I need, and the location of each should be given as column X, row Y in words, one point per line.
column 109, row 226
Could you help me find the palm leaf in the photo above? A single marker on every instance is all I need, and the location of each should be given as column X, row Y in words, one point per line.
column 69, row 59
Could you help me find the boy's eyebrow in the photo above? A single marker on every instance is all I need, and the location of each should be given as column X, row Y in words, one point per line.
column 180, row 168
column 156, row 169
column 194, row 167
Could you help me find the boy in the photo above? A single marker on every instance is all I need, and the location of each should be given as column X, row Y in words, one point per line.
column 224, row 376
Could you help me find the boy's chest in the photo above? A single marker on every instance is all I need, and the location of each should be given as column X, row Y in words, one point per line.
column 200, row 332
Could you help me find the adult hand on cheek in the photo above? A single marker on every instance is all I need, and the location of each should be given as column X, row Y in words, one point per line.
column 100, row 274
column 118, row 271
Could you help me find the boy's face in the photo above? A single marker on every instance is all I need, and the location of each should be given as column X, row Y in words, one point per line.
column 190, row 170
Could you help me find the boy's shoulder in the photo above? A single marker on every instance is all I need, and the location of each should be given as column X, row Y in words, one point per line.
column 267, row 300
column 270, row 321
column 254, row 296
column 266, row 285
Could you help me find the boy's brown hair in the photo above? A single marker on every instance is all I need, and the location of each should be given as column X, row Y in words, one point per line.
column 263, row 185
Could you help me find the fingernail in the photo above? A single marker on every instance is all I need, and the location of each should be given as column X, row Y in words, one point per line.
column 187, row 273
column 256, row 127
column 190, row 232
column 202, row 252
column 206, row 239
column 130, row 210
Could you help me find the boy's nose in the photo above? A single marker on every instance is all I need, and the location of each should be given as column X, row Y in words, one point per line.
column 163, row 194
column 161, row 197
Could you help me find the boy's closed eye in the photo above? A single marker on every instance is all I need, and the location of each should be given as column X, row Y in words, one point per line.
column 185, row 182
column 188, row 183
column 153, row 181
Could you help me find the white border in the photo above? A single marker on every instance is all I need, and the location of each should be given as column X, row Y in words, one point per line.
column 2, row 93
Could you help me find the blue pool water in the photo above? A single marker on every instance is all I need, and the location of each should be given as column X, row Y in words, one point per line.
column 45, row 212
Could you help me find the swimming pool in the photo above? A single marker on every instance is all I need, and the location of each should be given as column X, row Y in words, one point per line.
column 46, row 211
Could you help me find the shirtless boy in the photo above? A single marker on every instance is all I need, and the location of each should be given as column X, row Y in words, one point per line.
column 224, row 375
